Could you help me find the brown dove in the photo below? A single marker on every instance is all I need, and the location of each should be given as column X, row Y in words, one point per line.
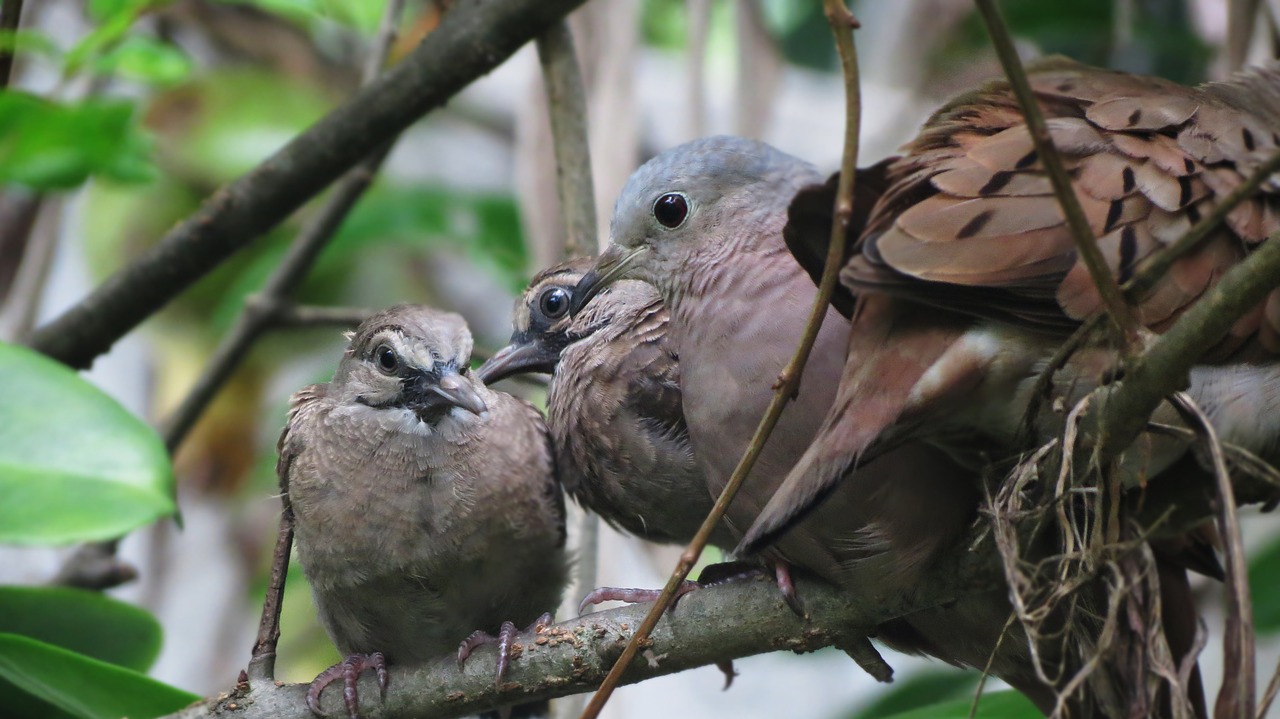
column 703, row 223
column 613, row 408
column 966, row 277
column 426, row 504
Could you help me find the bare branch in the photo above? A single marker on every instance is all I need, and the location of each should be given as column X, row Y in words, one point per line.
column 471, row 40
column 567, row 103
column 10, row 17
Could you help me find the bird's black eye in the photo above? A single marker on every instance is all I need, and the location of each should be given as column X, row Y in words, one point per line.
column 554, row 302
column 671, row 209
column 388, row 362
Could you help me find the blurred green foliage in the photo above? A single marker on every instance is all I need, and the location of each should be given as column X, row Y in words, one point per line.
column 921, row 690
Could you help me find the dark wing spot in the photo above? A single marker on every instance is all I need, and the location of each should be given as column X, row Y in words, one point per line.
column 1065, row 87
column 1193, row 213
column 1187, row 163
column 1113, row 214
column 996, row 183
column 1184, row 190
column 1135, row 116
column 975, row 225
column 1129, row 179
column 1027, row 161
column 1248, row 138
column 1128, row 250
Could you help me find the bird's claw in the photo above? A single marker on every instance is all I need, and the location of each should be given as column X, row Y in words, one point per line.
column 633, row 596
column 507, row 634
column 348, row 670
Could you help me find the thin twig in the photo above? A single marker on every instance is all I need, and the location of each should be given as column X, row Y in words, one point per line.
column 567, row 106
column 1273, row 687
column 10, row 17
column 1118, row 310
column 842, row 22
column 260, row 314
column 262, row 662
column 1236, row 697
column 470, row 41
column 1159, row 263
column 290, row 316
column 1150, row 271
column 575, row 187
column 23, row 304
column 261, row 310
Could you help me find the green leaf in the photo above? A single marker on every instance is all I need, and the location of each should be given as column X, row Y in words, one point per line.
column 74, row 465
column 146, row 60
column 1264, row 569
column 24, row 41
column 48, row 145
column 922, row 689
column 82, row 621
column 85, row 687
column 993, row 705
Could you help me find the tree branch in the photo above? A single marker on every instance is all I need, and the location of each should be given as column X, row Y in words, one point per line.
column 726, row 621
column 708, row 626
column 471, row 40
column 10, row 17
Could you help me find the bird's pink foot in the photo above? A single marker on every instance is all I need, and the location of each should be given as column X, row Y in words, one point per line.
column 632, row 595
column 506, row 636
column 782, row 574
column 348, row 670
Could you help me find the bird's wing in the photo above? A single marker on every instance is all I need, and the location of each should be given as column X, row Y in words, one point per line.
column 969, row 221
column 302, row 406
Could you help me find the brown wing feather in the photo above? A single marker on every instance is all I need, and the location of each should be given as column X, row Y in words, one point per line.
column 969, row 222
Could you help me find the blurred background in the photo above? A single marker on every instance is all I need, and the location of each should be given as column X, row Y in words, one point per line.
column 189, row 94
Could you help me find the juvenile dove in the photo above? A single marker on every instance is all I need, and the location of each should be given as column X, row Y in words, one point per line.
column 426, row 504
column 621, row 443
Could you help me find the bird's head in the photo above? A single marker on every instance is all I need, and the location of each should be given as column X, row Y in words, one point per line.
column 539, row 325
column 414, row 358
column 695, row 203
column 542, row 326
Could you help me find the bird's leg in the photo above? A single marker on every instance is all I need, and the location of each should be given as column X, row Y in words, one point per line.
column 506, row 637
column 632, row 595
column 720, row 573
column 348, row 670
column 782, row 574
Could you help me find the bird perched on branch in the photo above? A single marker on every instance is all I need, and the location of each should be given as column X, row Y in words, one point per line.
column 613, row 408
column 703, row 223
column 967, row 278
column 426, row 504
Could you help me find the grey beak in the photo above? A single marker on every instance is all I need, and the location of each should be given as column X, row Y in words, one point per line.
column 611, row 266
column 455, row 390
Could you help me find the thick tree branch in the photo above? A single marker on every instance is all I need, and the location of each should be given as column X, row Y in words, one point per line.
column 471, row 40
column 711, row 625
column 722, row 622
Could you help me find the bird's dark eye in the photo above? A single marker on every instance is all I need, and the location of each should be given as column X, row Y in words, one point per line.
column 554, row 302
column 388, row 362
column 671, row 209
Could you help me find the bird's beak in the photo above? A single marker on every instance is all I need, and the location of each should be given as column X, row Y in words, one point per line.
column 451, row 389
column 611, row 266
column 519, row 357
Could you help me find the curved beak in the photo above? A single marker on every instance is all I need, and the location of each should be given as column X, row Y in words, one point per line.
column 611, row 266
column 451, row 389
column 518, row 358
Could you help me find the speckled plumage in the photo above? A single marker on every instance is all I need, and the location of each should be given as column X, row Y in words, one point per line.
column 414, row 532
column 622, row 445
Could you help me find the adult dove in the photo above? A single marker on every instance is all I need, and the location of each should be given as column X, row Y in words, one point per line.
column 426, row 504
column 703, row 223
column 967, row 279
